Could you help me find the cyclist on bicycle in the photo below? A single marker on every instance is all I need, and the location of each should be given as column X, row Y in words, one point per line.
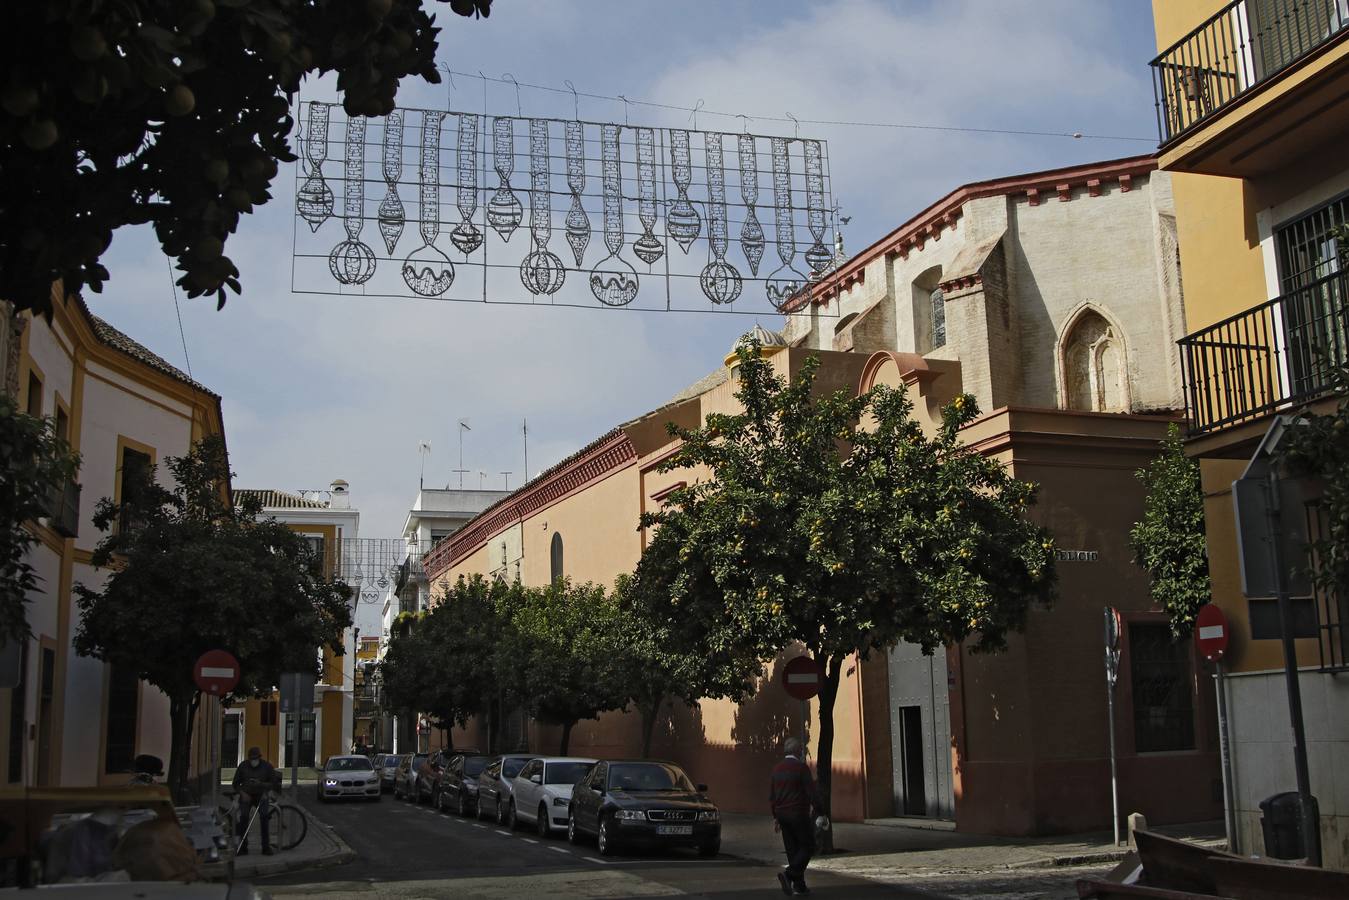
column 253, row 781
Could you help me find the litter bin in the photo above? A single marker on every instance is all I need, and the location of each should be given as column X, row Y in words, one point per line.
column 1281, row 821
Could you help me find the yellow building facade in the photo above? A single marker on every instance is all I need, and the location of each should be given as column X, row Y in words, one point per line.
column 1252, row 110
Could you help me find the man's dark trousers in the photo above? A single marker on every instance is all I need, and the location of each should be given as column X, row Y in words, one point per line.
column 798, row 839
column 246, row 804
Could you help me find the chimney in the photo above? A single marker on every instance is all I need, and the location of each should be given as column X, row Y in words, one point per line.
column 339, row 496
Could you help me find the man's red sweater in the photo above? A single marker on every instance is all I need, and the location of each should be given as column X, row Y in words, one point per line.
column 792, row 790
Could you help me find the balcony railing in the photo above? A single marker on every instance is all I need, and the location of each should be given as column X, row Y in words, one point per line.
column 1272, row 356
column 1243, row 45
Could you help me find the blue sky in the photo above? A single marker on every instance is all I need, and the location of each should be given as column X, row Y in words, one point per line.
column 321, row 387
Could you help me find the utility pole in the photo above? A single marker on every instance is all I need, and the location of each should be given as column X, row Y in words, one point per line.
column 423, row 448
column 508, row 478
column 524, row 429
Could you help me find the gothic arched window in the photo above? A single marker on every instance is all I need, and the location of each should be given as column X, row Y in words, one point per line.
column 938, row 318
column 555, row 556
column 1093, row 366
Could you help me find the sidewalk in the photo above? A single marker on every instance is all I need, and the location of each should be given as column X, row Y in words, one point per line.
column 883, row 851
column 320, row 849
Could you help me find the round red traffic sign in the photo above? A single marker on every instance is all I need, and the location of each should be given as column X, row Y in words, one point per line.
column 1210, row 631
column 801, row 678
column 216, row 672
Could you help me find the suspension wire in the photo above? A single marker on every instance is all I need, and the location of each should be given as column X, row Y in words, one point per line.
column 182, row 335
column 838, row 123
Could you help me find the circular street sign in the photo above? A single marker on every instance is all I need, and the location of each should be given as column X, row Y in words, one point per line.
column 801, row 678
column 216, row 672
column 1210, row 631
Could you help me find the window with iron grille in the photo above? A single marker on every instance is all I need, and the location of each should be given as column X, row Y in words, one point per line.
column 1163, row 702
column 1307, row 251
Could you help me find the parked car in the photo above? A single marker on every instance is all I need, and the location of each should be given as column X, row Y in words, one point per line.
column 458, row 787
column 628, row 802
column 386, row 766
column 405, row 779
column 348, row 776
column 542, row 791
column 495, row 783
column 428, row 784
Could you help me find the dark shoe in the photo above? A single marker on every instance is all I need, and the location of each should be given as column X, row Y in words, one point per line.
column 786, row 883
column 266, row 851
column 800, row 889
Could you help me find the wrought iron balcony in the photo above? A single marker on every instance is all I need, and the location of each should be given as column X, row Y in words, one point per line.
column 1267, row 358
column 1238, row 48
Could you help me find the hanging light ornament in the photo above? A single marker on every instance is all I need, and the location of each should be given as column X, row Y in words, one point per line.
column 682, row 220
column 751, row 233
column 466, row 235
column 314, row 200
column 720, row 281
column 504, row 212
column 541, row 272
column 391, row 215
column 818, row 256
column 613, row 281
column 647, row 247
column 785, row 281
column 352, row 261
column 427, row 270
column 578, row 223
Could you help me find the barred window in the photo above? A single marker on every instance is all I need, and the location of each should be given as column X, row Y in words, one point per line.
column 1163, row 703
column 938, row 319
column 1306, row 249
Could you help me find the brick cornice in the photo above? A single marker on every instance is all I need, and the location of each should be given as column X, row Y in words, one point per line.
column 929, row 224
column 593, row 462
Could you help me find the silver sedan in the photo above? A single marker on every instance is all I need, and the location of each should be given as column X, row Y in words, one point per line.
column 348, row 776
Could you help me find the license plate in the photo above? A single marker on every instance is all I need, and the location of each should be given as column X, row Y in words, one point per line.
column 674, row 829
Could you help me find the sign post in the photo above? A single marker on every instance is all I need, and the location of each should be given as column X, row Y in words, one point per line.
column 216, row 673
column 801, row 678
column 1210, row 636
column 1112, row 630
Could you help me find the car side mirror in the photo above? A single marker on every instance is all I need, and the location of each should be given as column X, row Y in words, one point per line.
column 536, row 779
column 702, row 788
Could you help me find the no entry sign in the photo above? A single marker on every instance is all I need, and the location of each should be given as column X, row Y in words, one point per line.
column 1210, row 631
column 801, row 678
column 216, row 672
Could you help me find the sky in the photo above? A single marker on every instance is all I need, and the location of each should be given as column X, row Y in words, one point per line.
column 317, row 387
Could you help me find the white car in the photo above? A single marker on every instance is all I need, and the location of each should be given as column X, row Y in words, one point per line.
column 348, row 776
column 541, row 792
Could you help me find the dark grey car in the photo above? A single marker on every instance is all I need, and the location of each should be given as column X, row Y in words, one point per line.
column 494, row 786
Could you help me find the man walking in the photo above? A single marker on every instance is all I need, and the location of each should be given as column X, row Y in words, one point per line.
column 792, row 797
column 252, row 782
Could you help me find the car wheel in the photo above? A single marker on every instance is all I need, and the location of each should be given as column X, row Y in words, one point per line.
column 500, row 813
column 541, row 824
column 573, row 833
column 512, row 822
column 604, row 839
column 458, row 803
column 478, row 812
column 710, row 849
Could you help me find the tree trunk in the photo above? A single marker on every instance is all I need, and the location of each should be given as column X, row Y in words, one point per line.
column 566, row 737
column 824, row 759
column 650, row 712
column 182, row 711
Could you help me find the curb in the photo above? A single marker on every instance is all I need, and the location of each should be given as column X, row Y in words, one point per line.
column 340, row 854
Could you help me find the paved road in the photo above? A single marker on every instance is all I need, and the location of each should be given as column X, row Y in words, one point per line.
column 408, row 851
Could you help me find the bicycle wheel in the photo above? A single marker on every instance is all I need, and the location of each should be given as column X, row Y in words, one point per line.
column 293, row 826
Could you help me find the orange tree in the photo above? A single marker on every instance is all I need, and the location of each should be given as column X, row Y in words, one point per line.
column 188, row 572
column 173, row 113
column 845, row 539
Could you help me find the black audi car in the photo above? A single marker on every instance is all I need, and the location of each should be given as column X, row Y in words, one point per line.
column 641, row 802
